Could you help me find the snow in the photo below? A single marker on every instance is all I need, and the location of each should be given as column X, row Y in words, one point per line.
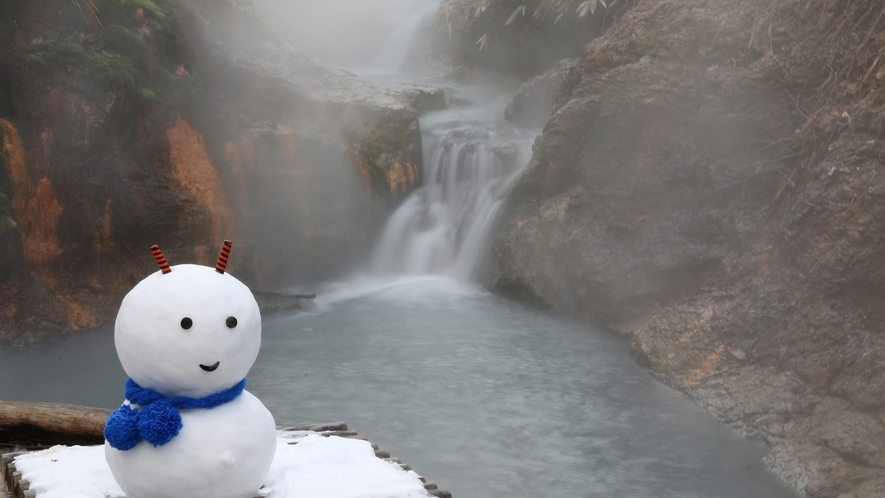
column 315, row 466
column 69, row 472
column 321, row 467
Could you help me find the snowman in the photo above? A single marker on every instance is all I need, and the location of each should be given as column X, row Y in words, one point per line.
column 187, row 336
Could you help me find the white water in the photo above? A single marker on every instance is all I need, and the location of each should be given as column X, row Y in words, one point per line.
column 472, row 158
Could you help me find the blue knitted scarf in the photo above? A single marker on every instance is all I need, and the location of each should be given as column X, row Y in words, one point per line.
column 158, row 420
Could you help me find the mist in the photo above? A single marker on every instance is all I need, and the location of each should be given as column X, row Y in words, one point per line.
column 355, row 34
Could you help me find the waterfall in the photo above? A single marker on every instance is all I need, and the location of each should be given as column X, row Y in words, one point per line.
column 471, row 158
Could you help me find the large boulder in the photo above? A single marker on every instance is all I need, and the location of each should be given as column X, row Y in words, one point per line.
column 709, row 185
column 535, row 100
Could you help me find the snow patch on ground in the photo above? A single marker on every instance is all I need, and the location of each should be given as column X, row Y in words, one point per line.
column 314, row 466
column 69, row 472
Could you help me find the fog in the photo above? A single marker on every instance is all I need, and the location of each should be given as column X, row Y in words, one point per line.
column 354, row 34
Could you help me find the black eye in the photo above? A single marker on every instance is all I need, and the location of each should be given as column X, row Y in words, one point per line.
column 231, row 322
column 186, row 323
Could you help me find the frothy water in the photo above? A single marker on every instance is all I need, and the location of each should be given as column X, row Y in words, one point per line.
column 417, row 289
column 472, row 158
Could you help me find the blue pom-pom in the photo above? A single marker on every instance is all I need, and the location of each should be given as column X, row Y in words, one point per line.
column 158, row 423
column 121, row 430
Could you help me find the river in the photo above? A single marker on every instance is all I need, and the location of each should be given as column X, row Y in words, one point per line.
column 483, row 396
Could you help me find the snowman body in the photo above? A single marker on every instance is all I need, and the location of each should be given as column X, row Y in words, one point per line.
column 219, row 452
column 194, row 332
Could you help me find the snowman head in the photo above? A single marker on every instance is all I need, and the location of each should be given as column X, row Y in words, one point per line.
column 188, row 330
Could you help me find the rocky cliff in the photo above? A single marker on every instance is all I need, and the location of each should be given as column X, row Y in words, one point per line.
column 131, row 122
column 709, row 183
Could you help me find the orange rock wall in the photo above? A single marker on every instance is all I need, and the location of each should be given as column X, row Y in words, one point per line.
column 37, row 209
column 196, row 174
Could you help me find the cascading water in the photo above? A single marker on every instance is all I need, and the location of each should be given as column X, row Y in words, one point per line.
column 472, row 158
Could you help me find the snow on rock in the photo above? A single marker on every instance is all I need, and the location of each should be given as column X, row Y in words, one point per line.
column 334, row 467
column 69, row 472
column 315, row 467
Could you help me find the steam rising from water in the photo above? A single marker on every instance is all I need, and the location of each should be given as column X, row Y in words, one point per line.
column 355, row 34
column 418, row 290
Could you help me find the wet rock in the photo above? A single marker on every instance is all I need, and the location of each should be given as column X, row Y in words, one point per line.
column 534, row 102
column 271, row 302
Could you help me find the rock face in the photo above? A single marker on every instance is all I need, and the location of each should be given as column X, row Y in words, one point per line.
column 710, row 184
column 534, row 101
column 125, row 124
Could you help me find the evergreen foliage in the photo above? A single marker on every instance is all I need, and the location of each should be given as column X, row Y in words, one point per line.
column 112, row 45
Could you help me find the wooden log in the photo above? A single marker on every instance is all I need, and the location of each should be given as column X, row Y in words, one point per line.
column 33, row 424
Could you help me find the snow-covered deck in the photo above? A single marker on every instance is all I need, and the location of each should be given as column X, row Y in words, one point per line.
column 321, row 461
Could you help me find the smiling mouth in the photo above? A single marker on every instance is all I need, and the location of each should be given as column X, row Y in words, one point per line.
column 210, row 368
